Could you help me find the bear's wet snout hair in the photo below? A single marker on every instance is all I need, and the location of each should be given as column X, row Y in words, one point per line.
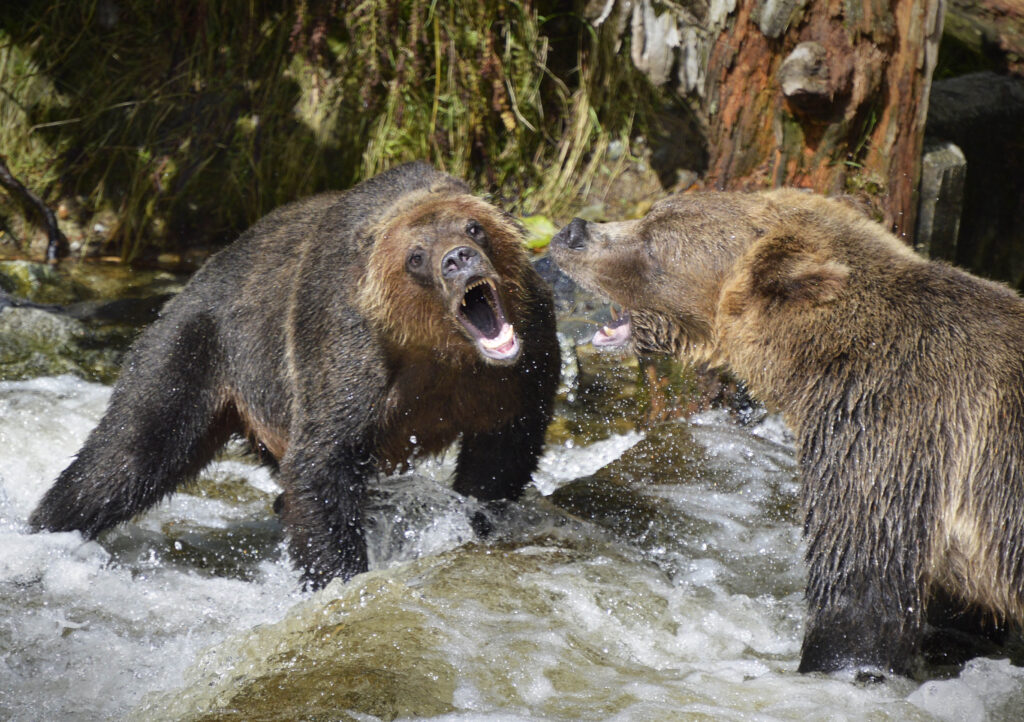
column 574, row 235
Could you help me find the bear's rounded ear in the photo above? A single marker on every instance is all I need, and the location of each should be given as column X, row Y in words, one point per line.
column 791, row 268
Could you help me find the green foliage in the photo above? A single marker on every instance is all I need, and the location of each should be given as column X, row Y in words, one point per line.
column 539, row 231
column 186, row 121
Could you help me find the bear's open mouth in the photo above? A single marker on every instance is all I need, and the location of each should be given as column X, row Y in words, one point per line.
column 482, row 314
column 617, row 332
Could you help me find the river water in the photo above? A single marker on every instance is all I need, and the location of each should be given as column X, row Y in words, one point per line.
column 646, row 575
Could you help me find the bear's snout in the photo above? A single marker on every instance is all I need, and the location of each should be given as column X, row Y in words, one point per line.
column 573, row 236
column 458, row 261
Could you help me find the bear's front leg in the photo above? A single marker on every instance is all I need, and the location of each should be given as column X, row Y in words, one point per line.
column 865, row 583
column 868, row 530
column 341, row 383
column 322, row 511
column 498, row 464
column 865, row 627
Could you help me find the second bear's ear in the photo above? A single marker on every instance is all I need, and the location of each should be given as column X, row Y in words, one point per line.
column 788, row 267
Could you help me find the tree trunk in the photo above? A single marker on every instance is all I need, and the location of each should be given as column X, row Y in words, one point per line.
column 830, row 96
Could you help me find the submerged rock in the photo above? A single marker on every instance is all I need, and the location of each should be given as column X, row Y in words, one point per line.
column 481, row 627
column 371, row 649
column 75, row 319
column 38, row 342
column 38, row 283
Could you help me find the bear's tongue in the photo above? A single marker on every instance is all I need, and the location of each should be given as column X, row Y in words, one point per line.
column 504, row 345
column 614, row 334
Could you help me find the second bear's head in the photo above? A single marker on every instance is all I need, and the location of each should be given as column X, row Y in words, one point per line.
column 696, row 261
column 446, row 278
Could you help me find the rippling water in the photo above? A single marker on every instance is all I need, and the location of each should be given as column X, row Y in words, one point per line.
column 645, row 576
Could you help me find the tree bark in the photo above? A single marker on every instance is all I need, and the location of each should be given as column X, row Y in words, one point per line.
column 830, row 96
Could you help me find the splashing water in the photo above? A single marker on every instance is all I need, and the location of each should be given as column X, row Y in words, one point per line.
column 644, row 576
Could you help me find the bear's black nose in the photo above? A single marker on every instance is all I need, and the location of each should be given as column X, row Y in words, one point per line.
column 574, row 235
column 458, row 260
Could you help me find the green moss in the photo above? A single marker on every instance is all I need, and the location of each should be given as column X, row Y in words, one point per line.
column 865, row 183
column 964, row 48
column 36, row 281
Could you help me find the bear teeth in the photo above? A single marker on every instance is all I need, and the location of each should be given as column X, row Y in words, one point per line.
column 489, row 298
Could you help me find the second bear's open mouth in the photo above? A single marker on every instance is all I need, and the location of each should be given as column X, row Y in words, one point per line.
column 615, row 333
column 482, row 314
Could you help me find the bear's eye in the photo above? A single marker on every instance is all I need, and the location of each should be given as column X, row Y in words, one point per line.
column 475, row 231
column 414, row 262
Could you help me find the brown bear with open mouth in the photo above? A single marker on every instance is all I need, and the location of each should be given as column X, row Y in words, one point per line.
column 902, row 380
column 345, row 334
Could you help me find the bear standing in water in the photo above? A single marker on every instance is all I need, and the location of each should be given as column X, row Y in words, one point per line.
column 902, row 380
column 345, row 333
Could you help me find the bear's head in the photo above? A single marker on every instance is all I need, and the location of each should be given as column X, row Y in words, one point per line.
column 694, row 258
column 445, row 278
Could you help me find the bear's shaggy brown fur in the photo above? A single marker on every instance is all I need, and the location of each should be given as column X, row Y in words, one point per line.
column 902, row 380
column 345, row 333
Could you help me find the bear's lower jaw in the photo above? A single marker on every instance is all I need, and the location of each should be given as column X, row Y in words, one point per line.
column 503, row 348
column 615, row 334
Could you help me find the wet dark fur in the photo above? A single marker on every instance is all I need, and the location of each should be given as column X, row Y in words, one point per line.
column 272, row 338
column 902, row 379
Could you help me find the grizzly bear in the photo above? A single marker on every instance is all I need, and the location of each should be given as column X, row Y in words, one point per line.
column 345, row 334
column 902, row 380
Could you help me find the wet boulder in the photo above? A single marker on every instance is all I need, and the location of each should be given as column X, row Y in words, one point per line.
column 41, row 342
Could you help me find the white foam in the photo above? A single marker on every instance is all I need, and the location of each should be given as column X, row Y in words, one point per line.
column 562, row 465
column 984, row 686
column 44, row 422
